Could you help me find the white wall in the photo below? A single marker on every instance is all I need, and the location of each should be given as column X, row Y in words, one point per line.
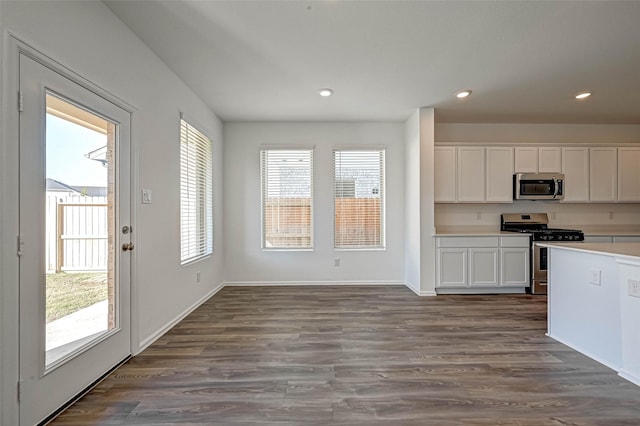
column 88, row 39
column 427, row 214
column 412, row 202
column 561, row 215
column 246, row 262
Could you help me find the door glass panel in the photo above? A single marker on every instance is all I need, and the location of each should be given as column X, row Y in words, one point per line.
column 80, row 222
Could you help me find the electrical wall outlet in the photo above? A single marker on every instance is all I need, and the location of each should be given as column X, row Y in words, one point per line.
column 336, row 261
column 634, row 288
column 198, row 277
column 595, row 276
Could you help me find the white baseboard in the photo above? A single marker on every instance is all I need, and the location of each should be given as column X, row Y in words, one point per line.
column 159, row 333
column 585, row 352
column 418, row 292
column 628, row 376
column 309, row 283
column 480, row 290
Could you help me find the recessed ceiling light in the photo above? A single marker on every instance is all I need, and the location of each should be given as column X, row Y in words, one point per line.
column 463, row 93
column 583, row 95
column 325, row 92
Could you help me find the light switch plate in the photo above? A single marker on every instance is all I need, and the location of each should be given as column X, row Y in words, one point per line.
column 634, row 288
column 595, row 276
column 146, row 196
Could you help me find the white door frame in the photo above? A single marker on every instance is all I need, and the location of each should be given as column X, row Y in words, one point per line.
column 9, row 215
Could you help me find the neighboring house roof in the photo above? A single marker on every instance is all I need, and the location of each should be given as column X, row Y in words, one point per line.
column 91, row 191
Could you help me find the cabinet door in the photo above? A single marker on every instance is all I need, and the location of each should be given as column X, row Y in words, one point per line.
column 483, row 267
column 515, row 266
column 526, row 160
column 499, row 170
column 549, row 160
column 629, row 174
column 603, row 174
column 471, row 174
column 445, row 174
column 575, row 167
column 451, row 270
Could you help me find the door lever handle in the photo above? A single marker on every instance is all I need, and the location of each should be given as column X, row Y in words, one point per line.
column 127, row 246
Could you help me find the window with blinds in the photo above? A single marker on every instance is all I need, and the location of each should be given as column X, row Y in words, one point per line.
column 287, row 193
column 359, row 198
column 196, row 194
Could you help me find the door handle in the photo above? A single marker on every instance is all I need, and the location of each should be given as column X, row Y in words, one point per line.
column 127, row 246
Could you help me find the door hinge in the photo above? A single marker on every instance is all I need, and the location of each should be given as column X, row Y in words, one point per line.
column 20, row 245
column 20, row 101
column 19, row 390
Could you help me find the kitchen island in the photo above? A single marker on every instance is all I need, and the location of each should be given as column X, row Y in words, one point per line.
column 594, row 302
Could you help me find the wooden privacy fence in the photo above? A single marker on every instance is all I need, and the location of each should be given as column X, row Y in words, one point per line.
column 357, row 222
column 287, row 222
column 76, row 230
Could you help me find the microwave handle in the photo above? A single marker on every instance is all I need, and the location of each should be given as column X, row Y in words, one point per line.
column 556, row 187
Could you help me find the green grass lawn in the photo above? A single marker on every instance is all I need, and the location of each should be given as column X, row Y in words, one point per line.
column 70, row 292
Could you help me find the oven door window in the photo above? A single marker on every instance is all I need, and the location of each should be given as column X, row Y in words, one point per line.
column 543, row 258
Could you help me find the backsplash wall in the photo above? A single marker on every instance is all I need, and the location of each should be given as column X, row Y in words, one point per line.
column 561, row 215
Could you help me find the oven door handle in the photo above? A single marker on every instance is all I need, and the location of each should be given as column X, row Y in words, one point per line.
column 555, row 187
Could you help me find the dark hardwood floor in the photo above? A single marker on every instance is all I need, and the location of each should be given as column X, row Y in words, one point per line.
column 360, row 355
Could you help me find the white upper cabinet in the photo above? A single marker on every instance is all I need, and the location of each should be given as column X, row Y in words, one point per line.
column 526, row 159
column 531, row 159
column 445, row 174
column 549, row 160
column 499, row 173
column 471, row 174
column 629, row 174
column 484, row 174
column 603, row 174
column 575, row 167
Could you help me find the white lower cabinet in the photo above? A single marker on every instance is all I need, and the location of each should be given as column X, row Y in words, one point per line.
column 482, row 264
column 515, row 266
column 452, row 267
column 483, row 267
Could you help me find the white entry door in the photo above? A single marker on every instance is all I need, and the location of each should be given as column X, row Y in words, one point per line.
column 75, row 239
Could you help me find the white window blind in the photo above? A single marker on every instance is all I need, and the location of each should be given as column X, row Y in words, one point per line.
column 287, row 193
column 196, row 194
column 359, row 198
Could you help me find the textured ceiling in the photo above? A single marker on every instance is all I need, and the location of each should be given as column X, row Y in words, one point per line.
column 524, row 60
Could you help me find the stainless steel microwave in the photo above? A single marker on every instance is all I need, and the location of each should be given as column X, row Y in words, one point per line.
column 538, row 186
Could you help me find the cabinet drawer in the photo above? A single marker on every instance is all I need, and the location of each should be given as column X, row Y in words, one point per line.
column 514, row 241
column 597, row 239
column 626, row 239
column 465, row 242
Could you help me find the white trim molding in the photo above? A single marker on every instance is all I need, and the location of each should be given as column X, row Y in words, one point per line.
column 311, row 283
column 168, row 326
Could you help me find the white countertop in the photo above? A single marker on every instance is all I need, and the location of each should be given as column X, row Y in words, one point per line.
column 475, row 231
column 612, row 232
column 607, row 249
column 490, row 231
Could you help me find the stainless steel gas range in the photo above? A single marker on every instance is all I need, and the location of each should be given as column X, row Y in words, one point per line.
column 536, row 225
